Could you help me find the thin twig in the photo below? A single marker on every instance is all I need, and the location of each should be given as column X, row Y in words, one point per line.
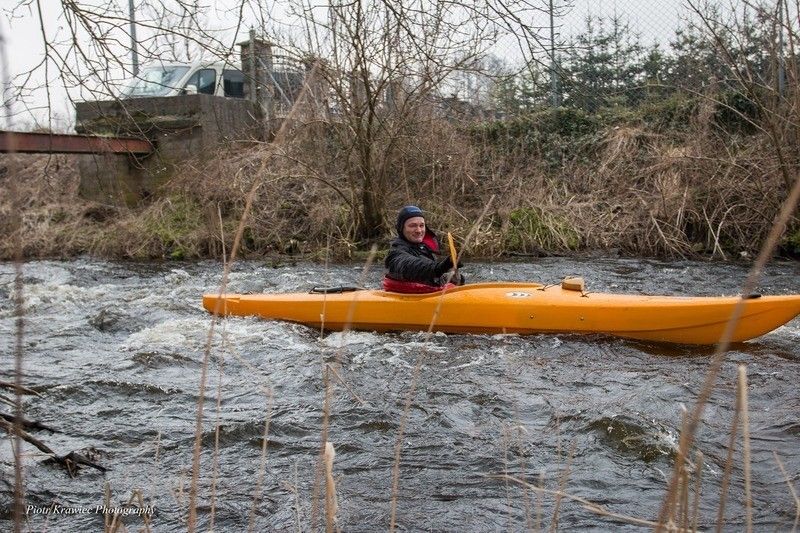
column 107, row 502
column 262, row 467
column 145, row 516
column 539, row 503
column 341, row 380
column 15, row 387
column 697, row 486
column 297, row 500
column 504, row 443
column 726, row 475
column 320, row 467
column 217, row 427
column 222, row 240
column 588, row 505
column 746, row 446
column 791, row 490
column 562, row 482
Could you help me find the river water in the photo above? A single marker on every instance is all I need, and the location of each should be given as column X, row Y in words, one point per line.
column 115, row 352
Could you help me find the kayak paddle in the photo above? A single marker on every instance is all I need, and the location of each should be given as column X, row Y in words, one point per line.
column 453, row 256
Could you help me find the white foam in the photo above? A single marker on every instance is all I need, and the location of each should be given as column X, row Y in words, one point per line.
column 169, row 333
column 189, row 334
column 63, row 295
column 282, row 336
column 177, row 276
column 340, row 339
column 403, row 354
column 477, row 361
column 418, row 347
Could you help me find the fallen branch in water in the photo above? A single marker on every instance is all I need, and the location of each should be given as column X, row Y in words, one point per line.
column 25, row 423
column 71, row 462
column 8, row 401
column 13, row 386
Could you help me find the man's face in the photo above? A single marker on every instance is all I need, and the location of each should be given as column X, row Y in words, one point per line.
column 414, row 229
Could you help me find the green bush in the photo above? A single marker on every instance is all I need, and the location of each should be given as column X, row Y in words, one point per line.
column 673, row 113
column 175, row 226
column 737, row 113
column 791, row 244
column 552, row 135
column 530, row 229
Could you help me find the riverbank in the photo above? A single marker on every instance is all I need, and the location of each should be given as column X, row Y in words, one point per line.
column 668, row 182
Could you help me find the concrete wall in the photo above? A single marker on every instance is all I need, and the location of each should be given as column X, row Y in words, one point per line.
column 191, row 127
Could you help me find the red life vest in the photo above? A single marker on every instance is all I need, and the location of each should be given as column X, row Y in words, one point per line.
column 430, row 241
column 412, row 287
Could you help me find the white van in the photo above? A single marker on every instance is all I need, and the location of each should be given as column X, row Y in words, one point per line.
column 173, row 79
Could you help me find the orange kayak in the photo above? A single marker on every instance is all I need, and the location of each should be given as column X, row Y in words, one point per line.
column 523, row 308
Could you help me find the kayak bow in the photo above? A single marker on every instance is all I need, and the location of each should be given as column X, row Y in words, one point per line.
column 522, row 308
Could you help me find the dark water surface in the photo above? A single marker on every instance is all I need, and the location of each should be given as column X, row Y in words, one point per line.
column 116, row 350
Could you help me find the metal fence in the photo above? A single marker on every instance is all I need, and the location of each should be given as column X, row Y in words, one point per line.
column 592, row 52
column 588, row 54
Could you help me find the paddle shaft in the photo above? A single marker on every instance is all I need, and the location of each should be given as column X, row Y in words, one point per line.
column 453, row 255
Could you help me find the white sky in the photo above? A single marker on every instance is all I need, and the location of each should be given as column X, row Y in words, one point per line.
column 655, row 20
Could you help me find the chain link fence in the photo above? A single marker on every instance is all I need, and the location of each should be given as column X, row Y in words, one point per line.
column 594, row 54
column 613, row 54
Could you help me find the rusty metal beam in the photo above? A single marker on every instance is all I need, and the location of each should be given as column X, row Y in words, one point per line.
column 50, row 143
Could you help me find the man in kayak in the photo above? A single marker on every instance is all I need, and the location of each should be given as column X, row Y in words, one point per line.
column 412, row 255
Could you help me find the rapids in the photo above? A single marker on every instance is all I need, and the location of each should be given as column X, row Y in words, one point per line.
column 115, row 352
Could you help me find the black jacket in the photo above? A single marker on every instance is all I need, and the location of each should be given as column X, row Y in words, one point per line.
column 407, row 261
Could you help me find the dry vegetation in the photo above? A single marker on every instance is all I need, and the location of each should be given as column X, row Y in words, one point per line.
column 621, row 185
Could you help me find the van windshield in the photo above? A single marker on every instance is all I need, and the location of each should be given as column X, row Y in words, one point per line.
column 155, row 81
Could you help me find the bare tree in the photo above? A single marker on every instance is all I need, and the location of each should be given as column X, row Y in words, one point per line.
column 388, row 67
column 87, row 53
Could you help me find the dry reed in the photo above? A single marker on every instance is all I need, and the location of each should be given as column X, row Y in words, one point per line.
column 331, row 505
column 791, row 490
column 215, row 456
column 695, row 517
column 262, row 467
column 562, row 482
column 746, row 463
column 588, row 505
column 320, row 465
column 328, row 369
column 278, row 141
column 726, row 475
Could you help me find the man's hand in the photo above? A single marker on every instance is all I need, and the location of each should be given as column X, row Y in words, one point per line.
column 444, row 265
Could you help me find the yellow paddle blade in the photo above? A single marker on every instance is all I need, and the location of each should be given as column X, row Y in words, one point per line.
column 452, row 244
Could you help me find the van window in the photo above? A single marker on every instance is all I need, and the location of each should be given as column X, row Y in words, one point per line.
column 154, row 81
column 205, row 80
column 233, row 80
